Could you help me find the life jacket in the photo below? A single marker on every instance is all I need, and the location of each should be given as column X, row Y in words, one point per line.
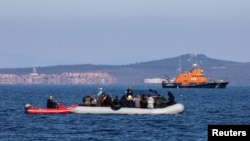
column 151, row 102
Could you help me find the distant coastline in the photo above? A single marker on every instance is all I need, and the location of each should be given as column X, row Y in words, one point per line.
column 63, row 78
column 138, row 73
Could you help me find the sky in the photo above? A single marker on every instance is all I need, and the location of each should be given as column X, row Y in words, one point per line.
column 118, row 32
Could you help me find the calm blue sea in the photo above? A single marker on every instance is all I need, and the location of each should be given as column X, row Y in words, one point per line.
column 202, row 107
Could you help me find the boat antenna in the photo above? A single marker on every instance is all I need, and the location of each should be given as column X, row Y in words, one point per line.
column 180, row 63
column 198, row 62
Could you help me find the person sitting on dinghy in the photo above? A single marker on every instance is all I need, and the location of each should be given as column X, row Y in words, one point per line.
column 127, row 101
column 129, row 92
column 101, row 99
column 123, row 101
column 93, row 101
column 130, row 102
column 51, row 103
column 158, row 101
column 107, row 101
column 100, row 92
column 144, row 101
column 86, row 100
column 171, row 99
column 137, row 101
column 151, row 102
column 115, row 105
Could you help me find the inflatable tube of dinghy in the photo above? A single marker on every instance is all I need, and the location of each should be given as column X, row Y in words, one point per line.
column 116, row 107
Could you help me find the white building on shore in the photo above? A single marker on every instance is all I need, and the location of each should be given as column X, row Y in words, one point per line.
column 34, row 73
column 153, row 80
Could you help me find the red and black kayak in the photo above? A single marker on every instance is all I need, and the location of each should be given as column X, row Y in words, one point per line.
column 60, row 110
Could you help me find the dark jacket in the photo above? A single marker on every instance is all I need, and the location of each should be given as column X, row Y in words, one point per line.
column 144, row 101
column 107, row 102
column 116, row 103
column 171, row 99
column 129, row 92
column 51, row 104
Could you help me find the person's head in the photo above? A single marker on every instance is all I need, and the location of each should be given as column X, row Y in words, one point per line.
column 169, row 93
column 51, row 97
column 130, row 98
column 103, row 94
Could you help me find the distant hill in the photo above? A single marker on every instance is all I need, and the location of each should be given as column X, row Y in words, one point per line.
column 234, row 72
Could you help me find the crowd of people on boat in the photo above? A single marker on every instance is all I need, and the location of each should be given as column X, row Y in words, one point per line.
column 128, row 100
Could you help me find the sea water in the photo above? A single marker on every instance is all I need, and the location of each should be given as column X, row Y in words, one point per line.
column 202, row 108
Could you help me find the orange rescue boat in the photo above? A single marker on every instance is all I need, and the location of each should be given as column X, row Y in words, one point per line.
column 193, row 79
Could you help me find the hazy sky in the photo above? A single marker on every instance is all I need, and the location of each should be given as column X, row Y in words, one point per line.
column 117, row 32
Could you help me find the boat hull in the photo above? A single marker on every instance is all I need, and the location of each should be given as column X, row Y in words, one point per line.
column 173, row 109
column 60, row 110
column 222, row 85
column 195, row 85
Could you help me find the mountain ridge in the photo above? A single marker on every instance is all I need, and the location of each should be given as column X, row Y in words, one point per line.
column 234, row 72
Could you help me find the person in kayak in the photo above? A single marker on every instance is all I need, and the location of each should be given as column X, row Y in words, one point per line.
column 51, row 103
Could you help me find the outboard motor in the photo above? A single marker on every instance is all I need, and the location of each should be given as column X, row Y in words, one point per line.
column 27, row 106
